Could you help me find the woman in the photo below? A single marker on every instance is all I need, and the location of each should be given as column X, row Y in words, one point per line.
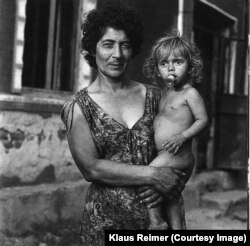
column 110, row 130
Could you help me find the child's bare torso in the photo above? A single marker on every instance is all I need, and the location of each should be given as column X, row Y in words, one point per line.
column 173, row 118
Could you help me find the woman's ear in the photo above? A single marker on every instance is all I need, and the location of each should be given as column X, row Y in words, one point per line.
column 92, row 52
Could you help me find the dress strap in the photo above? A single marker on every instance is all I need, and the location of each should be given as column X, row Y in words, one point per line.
column 154, row 100
column 67, row 113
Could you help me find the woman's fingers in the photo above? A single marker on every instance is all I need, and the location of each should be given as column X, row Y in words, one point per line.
column 170, row 183
column 176, row 150
column 179, row 173
column 143, row 188
column 151, row 199
column 146, row 193
column 155, row 203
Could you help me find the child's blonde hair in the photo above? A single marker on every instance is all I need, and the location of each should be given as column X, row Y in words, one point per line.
column 174, row 43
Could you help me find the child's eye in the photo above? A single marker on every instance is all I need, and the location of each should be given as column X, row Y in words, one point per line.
column 179, row 61
column 164, row 63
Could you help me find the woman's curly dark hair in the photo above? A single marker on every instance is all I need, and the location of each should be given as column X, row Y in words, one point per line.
column 117, row 16
column 174, row 43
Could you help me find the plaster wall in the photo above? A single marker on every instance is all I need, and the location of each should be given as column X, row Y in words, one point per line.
column 34, row 150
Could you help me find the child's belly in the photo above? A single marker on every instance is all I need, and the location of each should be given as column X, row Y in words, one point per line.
column 164, row 129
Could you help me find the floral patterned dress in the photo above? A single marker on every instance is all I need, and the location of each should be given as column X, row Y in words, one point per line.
column 116, row 207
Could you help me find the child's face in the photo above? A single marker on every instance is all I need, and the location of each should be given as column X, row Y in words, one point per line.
column 173, row 70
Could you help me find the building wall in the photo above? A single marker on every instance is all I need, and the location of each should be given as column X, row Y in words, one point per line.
column 7, row 18
column 237, row 8
column 34, row 150
column 40, row 186
column 39, row 183
column 33, row 145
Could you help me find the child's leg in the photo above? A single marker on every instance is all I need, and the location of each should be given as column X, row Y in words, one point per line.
column 175, row 214
column 174, row 210
column 156, row 219
column 156, row 216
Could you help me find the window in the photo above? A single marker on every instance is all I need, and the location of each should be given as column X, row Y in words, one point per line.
column 46, row 43
column 234, row 62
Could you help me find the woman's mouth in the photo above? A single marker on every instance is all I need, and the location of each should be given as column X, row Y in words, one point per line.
column 115, row 64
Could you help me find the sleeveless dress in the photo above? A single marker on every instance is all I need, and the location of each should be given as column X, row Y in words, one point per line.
column 109, row 207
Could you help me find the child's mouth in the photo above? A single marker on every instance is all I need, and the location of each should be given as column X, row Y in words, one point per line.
column 170, row 80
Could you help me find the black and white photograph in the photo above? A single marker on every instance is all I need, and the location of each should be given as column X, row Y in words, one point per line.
column 124, row 115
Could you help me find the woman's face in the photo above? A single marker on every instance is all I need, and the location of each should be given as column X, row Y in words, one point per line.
column 113, row 53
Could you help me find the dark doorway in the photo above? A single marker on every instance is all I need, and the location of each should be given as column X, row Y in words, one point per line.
column 226, row 143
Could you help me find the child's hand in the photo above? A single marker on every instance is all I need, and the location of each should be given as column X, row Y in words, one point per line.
column 173, row 144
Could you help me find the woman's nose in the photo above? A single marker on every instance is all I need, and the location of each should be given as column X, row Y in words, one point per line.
column 117, row 51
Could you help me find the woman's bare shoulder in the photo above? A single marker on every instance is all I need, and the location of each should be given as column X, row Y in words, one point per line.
column 146, row 86
column 71, row 110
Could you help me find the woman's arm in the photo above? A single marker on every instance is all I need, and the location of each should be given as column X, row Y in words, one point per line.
column 147, row 193
column 108, row 172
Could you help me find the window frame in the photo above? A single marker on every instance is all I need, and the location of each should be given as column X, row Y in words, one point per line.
column 17, row 86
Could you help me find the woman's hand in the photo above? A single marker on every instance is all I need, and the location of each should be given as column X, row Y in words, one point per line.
column 173, row 144
column 169, row 185
column 169, row 182
column 149, row 196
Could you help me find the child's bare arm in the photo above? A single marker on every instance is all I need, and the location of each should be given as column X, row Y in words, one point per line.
column 198, row 109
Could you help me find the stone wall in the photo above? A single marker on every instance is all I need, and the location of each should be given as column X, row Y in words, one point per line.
column 34, row 150
column 40, row 186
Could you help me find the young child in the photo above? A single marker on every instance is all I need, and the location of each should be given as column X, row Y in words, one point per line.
column 182, row 115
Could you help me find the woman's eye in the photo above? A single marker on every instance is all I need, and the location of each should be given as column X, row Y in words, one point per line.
column 107, row 45
column 126, row 45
